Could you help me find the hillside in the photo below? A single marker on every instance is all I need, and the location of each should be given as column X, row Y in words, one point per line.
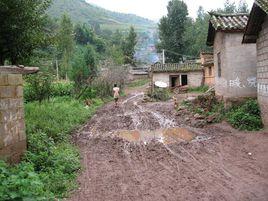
column 81, row 11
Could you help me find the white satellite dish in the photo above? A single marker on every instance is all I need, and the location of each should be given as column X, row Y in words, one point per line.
column 161, row 84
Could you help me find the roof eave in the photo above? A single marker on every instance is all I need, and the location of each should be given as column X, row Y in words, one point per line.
column 254, row 25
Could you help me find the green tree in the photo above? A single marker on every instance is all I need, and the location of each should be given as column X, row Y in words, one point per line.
column 196, row 34
column 80, row 71
column 128, row 46
column 66, row 42
column 21, row 28
column 172, row 28
column 229, row 7
column 91, row 62
column 242, row 7
column 83, row 34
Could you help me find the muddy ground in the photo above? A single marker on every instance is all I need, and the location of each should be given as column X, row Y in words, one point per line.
column 220, row 163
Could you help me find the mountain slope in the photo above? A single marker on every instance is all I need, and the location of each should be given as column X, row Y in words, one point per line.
column 81, row 11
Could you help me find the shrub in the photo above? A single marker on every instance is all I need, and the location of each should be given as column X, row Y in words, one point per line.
column 22, row 183
column 246, row 117
column 38, row 87
column 160, row 94
column 200, row 89
column 62, row 89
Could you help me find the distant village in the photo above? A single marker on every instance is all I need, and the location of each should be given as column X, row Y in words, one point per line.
column 238, row 66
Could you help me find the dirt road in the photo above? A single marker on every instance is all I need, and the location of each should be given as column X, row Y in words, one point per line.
column 143, row 151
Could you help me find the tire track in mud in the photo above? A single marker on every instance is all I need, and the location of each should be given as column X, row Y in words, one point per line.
column 216, row 169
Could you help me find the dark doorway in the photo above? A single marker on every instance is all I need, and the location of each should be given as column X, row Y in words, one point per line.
column 184, row 80
column 174, row 81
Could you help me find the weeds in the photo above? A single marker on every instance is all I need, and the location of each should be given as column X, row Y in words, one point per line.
column 50, row 166
column 246, row 116
column 201, row 89
column 138, row 83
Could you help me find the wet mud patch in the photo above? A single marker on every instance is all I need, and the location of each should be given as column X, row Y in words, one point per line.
column 166, row 136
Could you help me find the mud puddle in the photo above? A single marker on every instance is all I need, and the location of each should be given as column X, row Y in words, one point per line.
column 166, row 136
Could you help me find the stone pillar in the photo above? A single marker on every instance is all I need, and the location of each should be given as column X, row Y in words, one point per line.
column 12, row 125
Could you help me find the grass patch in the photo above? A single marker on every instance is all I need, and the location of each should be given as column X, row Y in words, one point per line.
column 246, row 116
column 50, row 166
column 138, row 83
column 201, row 89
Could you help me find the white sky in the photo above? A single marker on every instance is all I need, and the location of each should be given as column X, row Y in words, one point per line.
column 155, row 9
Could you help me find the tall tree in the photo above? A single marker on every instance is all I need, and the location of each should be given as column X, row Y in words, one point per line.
column 21, row 28
column 66, row 42
column 242, row 7
column 172, row 28
column 129, row 46
column 196, row 34
column 229, row 7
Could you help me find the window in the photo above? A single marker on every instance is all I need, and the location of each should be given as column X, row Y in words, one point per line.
column 210, row 71
column 219, row 64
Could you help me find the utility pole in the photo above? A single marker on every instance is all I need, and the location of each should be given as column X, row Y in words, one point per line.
column 163, row 52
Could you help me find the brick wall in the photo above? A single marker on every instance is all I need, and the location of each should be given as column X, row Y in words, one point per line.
column 12, row 125
column 262, row 71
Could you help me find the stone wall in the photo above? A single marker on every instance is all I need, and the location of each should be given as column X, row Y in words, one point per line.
column 262, row 71
column 195, row 78
column 12, row 125
column 238, row 71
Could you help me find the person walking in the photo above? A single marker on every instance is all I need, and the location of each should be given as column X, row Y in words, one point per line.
column 116, row 91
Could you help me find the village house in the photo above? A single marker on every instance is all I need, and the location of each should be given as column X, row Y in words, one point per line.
column 257, row 32
column 208, row 66
column 175, row 75
column 235, row 72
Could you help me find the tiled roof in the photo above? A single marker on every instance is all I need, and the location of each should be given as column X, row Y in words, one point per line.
column 229, row 21
column 175, row 67
column 225, row 22
column 257, row 16
column 263, row 4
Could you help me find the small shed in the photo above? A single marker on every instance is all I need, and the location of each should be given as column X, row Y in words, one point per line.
column 257, row 32
column 235, row 72
column 175, row 75
column 208, row 65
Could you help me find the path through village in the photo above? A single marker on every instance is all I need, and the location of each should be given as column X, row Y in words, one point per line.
column 144, row 151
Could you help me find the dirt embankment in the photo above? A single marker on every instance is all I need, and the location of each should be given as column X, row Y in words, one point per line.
column 219, row 164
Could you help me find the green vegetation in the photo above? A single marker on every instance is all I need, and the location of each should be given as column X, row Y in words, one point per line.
column 21, row 29
column 200, row 89
column 208, row 106
column 181, row 35
column 172, row 28
column 160, row 94
column 138, row 83
column 128, row 46
column 82, row 12
column 246, row 116
column 50, row 166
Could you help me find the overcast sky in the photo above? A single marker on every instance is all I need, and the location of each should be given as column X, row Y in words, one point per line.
column 155, row 9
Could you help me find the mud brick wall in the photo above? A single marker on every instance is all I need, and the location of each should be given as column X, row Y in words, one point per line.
column 262, row 71
column 12, row 125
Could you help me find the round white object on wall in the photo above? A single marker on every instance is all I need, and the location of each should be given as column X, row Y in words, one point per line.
column 161, row 84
